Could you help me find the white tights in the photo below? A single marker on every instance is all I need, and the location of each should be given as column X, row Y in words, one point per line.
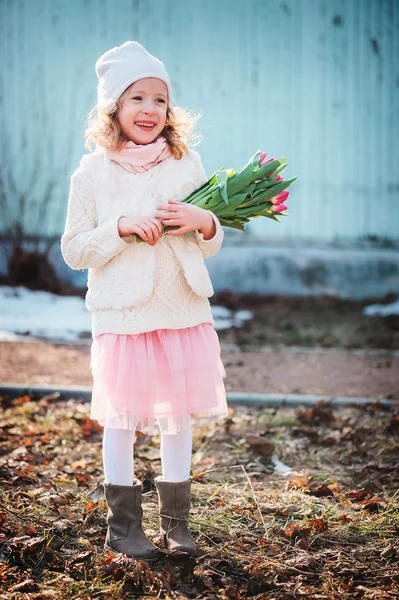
column 119, row 462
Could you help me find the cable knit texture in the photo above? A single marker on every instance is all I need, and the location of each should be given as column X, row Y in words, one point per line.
column 134, row 287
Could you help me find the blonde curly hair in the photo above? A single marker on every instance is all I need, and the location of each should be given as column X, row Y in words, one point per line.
column 103, row 128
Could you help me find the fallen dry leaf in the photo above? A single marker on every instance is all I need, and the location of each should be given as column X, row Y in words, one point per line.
column 260, row 445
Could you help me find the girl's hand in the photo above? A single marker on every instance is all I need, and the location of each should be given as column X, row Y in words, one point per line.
column 148, row 228
column 187, row 216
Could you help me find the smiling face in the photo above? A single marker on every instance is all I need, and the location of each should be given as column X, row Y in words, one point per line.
column 142, row 115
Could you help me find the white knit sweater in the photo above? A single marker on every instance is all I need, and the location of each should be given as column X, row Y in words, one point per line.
column 134, row 287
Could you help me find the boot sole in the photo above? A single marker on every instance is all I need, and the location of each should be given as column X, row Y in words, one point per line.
column 183, row 554
column 150, row 557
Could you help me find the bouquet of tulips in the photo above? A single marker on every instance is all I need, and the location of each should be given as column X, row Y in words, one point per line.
column 256, row 190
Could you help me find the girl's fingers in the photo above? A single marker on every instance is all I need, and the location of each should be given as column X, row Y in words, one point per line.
column 150, row 234
column 142, row 233
column 163, row 207
column 175, row 220
column 168, row 222
column 157, row 224
column 180, row 231
column 173, row 206
column 154, row 231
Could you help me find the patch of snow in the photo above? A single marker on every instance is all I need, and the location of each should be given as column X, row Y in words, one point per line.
column 225, row 318
column 7, row 336
column 221, row 312
column 42, row 314
column 280, row 467
column 243, row 315
column 220, row 324
column 382, row 309
column 27, row 313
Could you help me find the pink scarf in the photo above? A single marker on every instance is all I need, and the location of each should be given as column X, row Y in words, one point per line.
column 138, row 158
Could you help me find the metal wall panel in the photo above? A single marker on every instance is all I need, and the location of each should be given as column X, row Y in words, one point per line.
column 314, row 80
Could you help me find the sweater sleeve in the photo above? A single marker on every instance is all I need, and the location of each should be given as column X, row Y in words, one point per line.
column 84, row 243
column 212, row 246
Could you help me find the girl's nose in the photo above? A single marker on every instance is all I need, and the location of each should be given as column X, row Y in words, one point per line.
column 149, row 108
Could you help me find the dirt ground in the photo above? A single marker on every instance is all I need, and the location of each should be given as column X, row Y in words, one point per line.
column 267, row 357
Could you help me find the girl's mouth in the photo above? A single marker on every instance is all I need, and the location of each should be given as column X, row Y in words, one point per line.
column 145, row 127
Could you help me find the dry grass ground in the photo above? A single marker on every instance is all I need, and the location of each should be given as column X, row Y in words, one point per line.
column 329, row 529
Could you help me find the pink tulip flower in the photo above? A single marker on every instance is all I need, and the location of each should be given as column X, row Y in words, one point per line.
column 280, row 198
column 278, row 208
column 262, row 160
column 279, row 178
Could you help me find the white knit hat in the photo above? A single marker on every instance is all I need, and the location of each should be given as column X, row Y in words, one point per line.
column 121, row 66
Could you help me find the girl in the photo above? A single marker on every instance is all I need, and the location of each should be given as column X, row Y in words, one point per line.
column 155, row 356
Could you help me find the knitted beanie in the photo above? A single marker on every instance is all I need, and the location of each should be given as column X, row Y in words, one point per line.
column 121, row 66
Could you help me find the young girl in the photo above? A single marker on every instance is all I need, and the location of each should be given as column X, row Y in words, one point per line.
column 155, row 356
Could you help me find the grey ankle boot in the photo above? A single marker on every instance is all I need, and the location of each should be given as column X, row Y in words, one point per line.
column 174, row 506
column 125, row 512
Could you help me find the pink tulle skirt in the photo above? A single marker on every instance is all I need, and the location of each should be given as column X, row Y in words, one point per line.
column 158, row 379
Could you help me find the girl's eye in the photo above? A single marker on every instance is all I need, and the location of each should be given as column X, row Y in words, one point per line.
column 140, row 98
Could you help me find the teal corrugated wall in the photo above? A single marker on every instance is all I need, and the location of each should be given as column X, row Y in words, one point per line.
column 316, row 81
